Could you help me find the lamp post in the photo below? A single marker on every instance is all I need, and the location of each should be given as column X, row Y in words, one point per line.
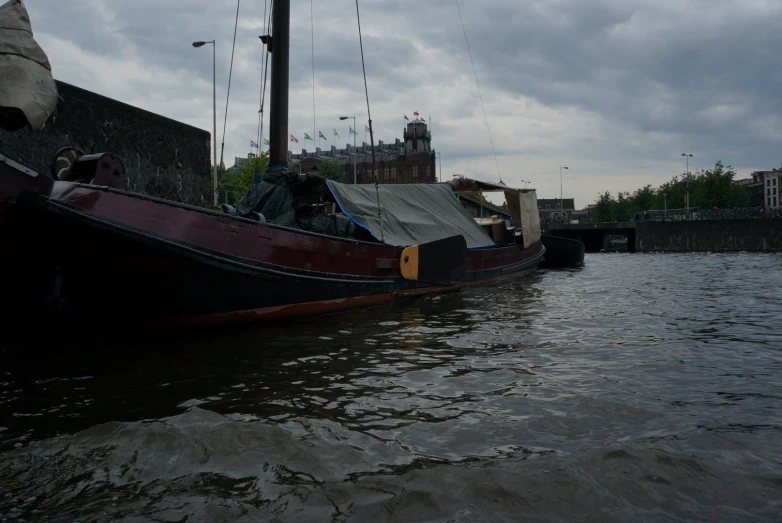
column 687, row 157
column 214, row 113
column 354, row 146
column 560, row 190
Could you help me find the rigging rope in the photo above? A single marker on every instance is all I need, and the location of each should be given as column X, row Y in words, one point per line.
column 230, row 72
column 479, row 91
column 371, row 133
column 262, row 96
column 312, row 39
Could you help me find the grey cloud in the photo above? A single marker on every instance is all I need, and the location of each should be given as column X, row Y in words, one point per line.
column 642, row 78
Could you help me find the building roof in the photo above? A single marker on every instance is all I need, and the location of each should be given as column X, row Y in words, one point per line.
column 473, row 197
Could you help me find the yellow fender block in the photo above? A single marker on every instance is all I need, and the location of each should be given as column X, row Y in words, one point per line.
column 408, row 263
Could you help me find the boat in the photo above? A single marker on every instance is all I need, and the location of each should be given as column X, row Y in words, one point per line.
column 561, row 252
column 84, row 246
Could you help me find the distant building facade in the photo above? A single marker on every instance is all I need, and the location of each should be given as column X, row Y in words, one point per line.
column 767, row 185
column 408, row 161
column 240, row 162
column 547, row 206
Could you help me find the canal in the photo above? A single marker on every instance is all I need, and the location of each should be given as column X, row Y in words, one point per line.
column 640, row 387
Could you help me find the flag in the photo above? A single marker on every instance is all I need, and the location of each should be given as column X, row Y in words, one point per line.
column 307, row 137
column 415, row 113
column 366, row 128
column 351, row 131
column 267, row 141
column 253, row 144
column 294, row 139
column 406, row 118
column 336, row 133
column 320, row 134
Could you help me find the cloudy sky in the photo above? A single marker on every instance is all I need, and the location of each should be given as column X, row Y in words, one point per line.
column 614, row 89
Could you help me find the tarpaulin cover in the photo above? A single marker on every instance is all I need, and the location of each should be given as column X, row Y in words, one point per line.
column 523, row 206
column 28, row 93
column 273, row 197
column 412, row 213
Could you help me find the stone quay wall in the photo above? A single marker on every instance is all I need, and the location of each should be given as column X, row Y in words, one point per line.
column 709, row 235
column 163, row 157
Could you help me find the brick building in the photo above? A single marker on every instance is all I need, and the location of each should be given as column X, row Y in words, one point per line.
column 408, row 161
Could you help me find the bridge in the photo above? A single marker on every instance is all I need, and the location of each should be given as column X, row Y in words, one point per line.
column 593, row 234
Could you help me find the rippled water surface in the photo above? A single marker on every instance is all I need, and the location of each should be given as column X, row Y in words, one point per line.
column 638, row 388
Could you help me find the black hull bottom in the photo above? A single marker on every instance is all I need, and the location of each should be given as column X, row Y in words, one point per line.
column 562, row 252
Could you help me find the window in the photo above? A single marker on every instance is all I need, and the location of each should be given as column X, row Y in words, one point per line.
column 393, row 173
column 428, row 171
column 768, row 183
column 773, row 181
column 415, row 171
column 769, row 202
column 387, row 173
column 768, row 192
column 775, row 201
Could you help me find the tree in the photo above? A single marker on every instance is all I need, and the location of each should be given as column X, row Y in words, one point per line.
column 715, row 188
column 235, row 184
column 643, row 199
column 709, row 188
column 670, row 195
column 332, row 171
column 622, row 208
column 604, row 206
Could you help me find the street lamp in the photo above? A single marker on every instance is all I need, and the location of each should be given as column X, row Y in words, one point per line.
column 354, row 145
column 687, row 157
column 560, row 189
column 214, row 112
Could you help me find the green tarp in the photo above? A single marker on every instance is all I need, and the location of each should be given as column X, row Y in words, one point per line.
column 412, row 214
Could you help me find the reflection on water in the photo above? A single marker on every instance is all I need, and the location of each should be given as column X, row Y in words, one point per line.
column 640, row 387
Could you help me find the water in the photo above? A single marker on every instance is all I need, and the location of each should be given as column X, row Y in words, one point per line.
column 639, row 388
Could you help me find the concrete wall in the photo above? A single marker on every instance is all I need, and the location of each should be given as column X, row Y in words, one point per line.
column 709, row 235
column 162, row 157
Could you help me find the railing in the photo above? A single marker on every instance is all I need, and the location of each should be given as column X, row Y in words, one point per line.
column 680, row 215
column 555, row 218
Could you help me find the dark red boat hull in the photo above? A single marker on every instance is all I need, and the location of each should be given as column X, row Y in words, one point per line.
column 112, row 255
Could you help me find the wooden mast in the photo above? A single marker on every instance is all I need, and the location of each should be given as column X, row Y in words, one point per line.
column 278, row 119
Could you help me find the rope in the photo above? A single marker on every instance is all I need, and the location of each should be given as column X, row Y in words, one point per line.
column 262, row 96
column 371, row 133
column 479, row 91
column 312, row 39
column 230, row 72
